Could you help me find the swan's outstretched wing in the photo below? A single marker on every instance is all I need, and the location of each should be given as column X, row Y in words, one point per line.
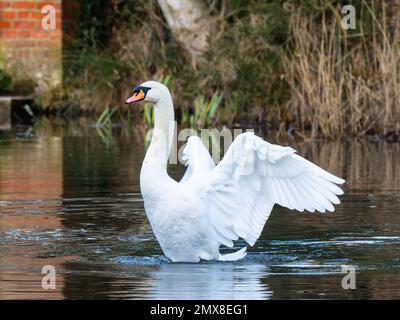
column 254, row 175
column 198, row 161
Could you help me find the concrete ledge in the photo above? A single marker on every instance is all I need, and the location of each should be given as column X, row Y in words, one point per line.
column 10, row 105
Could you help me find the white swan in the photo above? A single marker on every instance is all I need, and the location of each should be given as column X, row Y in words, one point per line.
column 215, row 205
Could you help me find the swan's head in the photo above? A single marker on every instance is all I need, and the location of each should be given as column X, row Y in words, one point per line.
column 151, row 91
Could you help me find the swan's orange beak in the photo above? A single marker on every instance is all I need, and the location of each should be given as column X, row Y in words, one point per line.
column 137, row 96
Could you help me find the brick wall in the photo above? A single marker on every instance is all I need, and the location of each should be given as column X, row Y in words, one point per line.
column 27, row 50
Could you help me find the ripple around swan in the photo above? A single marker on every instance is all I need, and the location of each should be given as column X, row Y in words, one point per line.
column 145, row 260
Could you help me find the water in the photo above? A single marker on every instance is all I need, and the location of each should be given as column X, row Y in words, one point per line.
column 70, row 198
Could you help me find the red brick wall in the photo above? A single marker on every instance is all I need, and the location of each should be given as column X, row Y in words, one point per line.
column 26, row 49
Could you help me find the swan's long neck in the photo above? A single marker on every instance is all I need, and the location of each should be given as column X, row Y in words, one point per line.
column 161, row 142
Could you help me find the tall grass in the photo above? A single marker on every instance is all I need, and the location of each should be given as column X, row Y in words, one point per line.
column 343, row 83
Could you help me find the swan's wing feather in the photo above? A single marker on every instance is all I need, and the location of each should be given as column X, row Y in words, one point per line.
column 253, row 176
column 198, row 160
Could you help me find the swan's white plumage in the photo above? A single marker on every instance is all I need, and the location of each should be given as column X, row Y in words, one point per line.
column 216, row 205
column 198, row 160
column 254, row 175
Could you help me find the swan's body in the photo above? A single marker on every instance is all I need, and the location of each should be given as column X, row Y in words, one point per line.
column 215, row 205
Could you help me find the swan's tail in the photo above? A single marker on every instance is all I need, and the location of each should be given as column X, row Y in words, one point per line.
column 240, row 254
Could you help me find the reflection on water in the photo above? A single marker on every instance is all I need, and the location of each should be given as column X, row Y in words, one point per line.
column 209, row 281
column 70, row 200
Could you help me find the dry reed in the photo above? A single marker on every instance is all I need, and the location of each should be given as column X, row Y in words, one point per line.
column 343, row 83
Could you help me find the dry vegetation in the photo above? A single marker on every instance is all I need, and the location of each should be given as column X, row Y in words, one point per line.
column 283, row 64
column 343, row 83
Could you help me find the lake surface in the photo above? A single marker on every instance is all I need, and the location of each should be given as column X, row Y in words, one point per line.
column 70, row 198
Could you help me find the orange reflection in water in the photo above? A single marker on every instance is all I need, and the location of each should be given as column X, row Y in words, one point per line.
column 31, row 186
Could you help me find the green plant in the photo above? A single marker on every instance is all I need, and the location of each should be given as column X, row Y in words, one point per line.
column 105, row 119
column 5, row 81
column 204, row 111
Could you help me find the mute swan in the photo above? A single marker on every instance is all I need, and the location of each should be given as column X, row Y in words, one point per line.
column 215, row 205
